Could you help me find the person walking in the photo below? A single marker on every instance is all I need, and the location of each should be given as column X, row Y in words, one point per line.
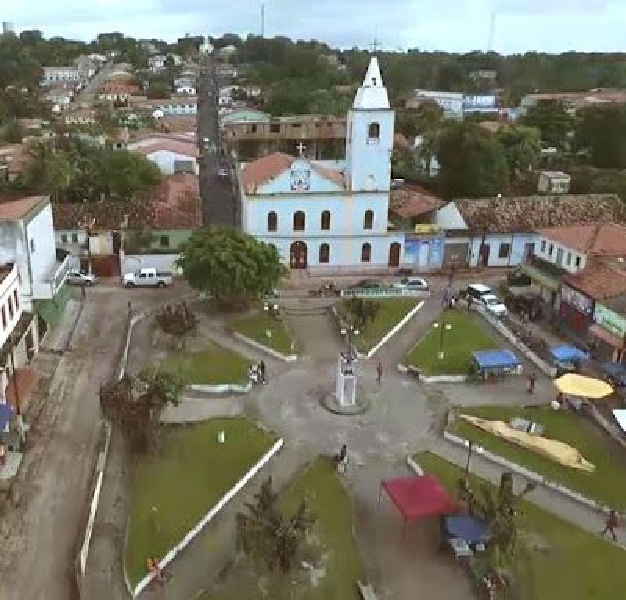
column 532, row 378
column 610, row 525
column 379, row 373
column 262, row 370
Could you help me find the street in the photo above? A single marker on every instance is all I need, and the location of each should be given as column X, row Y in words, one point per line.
column 41, row 525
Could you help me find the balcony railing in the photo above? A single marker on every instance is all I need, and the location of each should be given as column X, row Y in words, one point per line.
column 546, row 266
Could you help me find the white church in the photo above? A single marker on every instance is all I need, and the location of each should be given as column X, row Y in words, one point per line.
column 327, row 216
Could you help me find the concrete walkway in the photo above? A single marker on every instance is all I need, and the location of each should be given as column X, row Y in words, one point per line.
column 193, row 410
column 551, row 501
column 200, row 564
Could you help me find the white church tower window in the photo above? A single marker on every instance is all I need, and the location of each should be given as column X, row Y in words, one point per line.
column 369, row 143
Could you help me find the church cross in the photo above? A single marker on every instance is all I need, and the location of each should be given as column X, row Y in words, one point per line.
column 301, row 148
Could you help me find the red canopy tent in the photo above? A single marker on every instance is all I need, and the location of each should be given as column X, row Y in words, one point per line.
column 418, row 497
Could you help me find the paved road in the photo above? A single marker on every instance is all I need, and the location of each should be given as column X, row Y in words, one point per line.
column 87, row 96
column 40, row 531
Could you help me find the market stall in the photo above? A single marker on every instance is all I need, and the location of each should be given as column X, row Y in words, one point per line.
column 487, row 364
column 615, row 372
column 567, row 359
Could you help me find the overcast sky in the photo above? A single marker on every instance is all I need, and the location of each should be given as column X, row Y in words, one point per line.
column 454, row 25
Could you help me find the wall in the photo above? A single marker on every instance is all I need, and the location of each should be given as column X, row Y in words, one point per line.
column 9, row 287
column 423, row 252
column 347, row 213
column 175, row 237
column 282, row 183
column 517, row 243
column 610, row 320
column 42, row 251
column 74, row 247
column 165, row 160
column 161, row 262
column 551, row 257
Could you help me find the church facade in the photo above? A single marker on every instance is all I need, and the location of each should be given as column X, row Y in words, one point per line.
column 330, row 215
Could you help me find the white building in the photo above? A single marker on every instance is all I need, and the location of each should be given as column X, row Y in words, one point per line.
column 52, row 74
column 27, row 240
column 187, row 90
column 171, row 154
column 157, row 63
column 450, row 102
column 330, row 215
column 554, row 182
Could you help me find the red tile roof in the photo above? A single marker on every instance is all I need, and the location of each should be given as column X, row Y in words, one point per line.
column 598, row 281
column 271, row 166
column 409, row 203
column 13, row 209
column 530, row 213
column 174, row 204
column 175, row 145
column 607, row 240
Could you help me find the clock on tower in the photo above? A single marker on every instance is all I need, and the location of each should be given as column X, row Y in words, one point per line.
column 300, row 180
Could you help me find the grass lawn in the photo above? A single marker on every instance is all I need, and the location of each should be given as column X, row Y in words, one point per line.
column 255, row 327
column 578, row 566
column 607, row 483
column 331, row 506
column 191, row 473
column 390, row 313
column 467, row 335
column 211, row 366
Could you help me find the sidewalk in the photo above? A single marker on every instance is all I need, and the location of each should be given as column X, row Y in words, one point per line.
column 197, row 567
column 581, row 516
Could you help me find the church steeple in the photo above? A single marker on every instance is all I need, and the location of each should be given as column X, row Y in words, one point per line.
column 372, row 93
column 369, row 139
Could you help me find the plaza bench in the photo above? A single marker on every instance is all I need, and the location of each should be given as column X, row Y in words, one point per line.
column 366, row 590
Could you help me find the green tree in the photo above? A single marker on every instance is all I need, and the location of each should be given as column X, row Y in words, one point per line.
column 552, row 120
column 232, row 266
column 158, row 90
column 522, row 147
column 271, row 540
column 472, row 162
column 359, row 312
column 601, row 132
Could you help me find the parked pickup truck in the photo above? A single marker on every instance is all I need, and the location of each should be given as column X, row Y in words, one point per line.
column 147, row 278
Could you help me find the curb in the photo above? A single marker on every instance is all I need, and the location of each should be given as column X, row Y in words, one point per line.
column 220, row 388
column 531, row 475
column 414, row 466
column 262, row 347
column 411, row 370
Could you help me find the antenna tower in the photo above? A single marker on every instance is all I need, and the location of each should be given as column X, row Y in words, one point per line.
column 262, row 19
column 492, row 33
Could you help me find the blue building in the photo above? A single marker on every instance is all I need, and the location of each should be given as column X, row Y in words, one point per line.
column 328, row 216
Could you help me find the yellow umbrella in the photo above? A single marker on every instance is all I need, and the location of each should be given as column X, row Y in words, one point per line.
column 572, row 384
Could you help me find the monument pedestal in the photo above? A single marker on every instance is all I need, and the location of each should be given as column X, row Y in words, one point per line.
column 345, row 401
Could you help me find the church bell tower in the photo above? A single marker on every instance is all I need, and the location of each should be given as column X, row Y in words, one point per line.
column 369, row 139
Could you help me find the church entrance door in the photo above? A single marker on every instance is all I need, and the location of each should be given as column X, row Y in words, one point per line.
column 394, row 254
column 298, row 255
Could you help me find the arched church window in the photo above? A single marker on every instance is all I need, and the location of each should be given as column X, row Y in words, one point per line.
column 368, row 219
column 366, row 252
column 298, row 221
column 324, row 253
column 325, row 220
column 373, row 131
column 272, row 221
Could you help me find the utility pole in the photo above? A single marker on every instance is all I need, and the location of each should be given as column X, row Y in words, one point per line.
column 262, row 20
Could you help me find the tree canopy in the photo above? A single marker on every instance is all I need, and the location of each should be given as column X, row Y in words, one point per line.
column 522, row 147
column 601, row 132
column 552, row 120
column 229, row 264
column 472, row 163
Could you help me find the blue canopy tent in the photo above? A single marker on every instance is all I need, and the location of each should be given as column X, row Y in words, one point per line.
column 616, row 372
column 467, row 528
column 6, row 414
column 496, row 359
column 567, row 353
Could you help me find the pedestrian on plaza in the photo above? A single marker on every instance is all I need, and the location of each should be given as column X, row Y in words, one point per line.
column 469, row 301
column 157, row 574
column 446, row 297
column 379, row 373
column 611, row 525
column 532, row 378
column 262, row 370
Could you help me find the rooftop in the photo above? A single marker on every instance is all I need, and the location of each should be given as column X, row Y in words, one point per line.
column 174, row 204
column 412, row 202
column 271, row 166
column 556, row 174
column 607, row 240
column 177, row 145
column 15, row 208
column 530, row 213
column 5, row 271
column 599, row 281
column 372, row 94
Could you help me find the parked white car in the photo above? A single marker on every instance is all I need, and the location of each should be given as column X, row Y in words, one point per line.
column 494, row 305
column 78, row 278
column 412, row 283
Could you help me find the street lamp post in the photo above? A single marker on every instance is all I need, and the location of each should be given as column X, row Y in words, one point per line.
column 442, row 327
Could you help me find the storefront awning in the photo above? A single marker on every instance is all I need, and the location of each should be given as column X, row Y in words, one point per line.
column 607, row 337
column 541, row 278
